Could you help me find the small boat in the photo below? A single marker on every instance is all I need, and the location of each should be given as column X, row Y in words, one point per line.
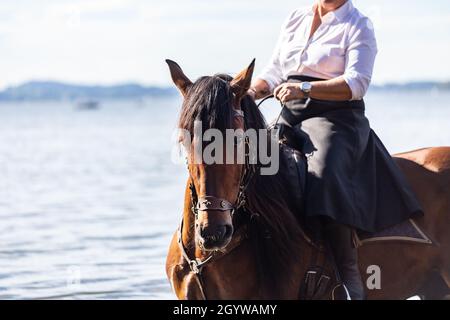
column 88, row 105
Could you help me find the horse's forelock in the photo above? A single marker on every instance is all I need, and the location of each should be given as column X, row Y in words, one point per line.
column 209, row 100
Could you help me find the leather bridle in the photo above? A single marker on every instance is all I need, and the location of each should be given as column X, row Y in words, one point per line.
column 212, row 203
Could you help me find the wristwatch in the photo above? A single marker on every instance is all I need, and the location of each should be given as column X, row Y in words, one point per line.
column 306, row 88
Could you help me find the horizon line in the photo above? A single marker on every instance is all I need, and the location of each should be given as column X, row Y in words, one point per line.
column 168, row 85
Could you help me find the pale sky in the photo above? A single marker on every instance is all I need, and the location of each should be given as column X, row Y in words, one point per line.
column 113, row 41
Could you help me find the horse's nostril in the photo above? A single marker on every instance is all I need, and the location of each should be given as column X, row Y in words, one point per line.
column 228, row 231
column 216, row 234
column 220, row 233
column 204, row 232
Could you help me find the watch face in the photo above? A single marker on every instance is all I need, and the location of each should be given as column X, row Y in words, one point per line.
column 306, row 86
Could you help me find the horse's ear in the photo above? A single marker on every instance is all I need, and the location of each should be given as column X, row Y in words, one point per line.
column 242, row 82
column 179, row 78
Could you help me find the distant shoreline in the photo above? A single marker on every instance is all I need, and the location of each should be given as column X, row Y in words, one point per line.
column 59, row 91
column 413, row 86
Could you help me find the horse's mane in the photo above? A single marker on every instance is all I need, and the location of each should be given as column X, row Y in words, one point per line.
column 274, row 230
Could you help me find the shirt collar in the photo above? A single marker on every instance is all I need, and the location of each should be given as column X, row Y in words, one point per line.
column 340, row 14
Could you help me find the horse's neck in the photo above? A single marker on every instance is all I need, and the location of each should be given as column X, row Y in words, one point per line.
column 287, row 195
column 280, row 247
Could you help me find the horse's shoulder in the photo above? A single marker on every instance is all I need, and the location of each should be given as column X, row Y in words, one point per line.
column 177, row 270
column 436, row 159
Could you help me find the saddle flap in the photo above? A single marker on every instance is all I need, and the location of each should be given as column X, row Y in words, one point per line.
column 406, row 231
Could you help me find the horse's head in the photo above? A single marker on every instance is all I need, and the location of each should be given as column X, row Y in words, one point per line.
column 211, row 107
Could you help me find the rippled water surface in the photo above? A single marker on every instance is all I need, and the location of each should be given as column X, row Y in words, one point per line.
column 90, row 199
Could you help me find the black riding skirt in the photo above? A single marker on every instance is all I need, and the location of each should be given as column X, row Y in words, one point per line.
column 351, row 177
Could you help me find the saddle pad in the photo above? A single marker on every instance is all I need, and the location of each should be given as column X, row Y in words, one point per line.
column 405, row 231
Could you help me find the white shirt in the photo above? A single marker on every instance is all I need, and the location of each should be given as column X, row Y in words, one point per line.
column 343, row 45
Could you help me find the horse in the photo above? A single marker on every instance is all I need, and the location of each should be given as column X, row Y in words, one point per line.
column 240, row 237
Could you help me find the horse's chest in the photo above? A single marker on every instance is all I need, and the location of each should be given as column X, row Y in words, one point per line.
column 185, row 283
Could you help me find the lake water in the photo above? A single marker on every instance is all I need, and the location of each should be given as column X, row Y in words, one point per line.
column 90, row 199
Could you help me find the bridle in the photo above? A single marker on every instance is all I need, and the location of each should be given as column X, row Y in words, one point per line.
column 212, row 203
column 217, row 204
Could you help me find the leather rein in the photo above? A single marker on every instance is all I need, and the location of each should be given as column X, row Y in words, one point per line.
column 211, row 203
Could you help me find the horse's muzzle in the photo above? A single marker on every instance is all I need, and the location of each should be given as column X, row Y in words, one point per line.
column 214, row 237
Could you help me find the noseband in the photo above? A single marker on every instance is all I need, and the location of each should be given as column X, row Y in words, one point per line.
column 213, row 203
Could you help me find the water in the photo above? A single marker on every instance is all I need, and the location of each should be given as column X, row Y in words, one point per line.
column 90, row 199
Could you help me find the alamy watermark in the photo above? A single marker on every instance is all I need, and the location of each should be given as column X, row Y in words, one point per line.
column 373, row 282
column 234, row 146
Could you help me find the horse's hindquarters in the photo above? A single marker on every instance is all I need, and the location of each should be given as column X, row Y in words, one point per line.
column 405, row 268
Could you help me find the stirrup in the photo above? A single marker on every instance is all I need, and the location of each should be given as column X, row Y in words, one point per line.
column 346, row 291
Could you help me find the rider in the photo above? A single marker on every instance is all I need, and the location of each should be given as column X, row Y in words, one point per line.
column 327, row 52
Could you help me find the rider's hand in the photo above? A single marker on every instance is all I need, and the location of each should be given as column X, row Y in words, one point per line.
column 288, row 91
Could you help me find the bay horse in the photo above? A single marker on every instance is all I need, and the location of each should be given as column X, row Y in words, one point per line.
column 239, row 242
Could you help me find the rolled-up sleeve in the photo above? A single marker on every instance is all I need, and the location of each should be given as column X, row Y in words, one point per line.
column 360, row 59
column 273, row 73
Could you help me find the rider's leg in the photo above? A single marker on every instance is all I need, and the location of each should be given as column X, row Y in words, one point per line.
column 339, row 237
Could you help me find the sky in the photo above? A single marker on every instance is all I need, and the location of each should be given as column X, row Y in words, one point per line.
column 116, row 41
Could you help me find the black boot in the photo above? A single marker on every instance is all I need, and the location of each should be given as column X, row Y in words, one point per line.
column 346, row 256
